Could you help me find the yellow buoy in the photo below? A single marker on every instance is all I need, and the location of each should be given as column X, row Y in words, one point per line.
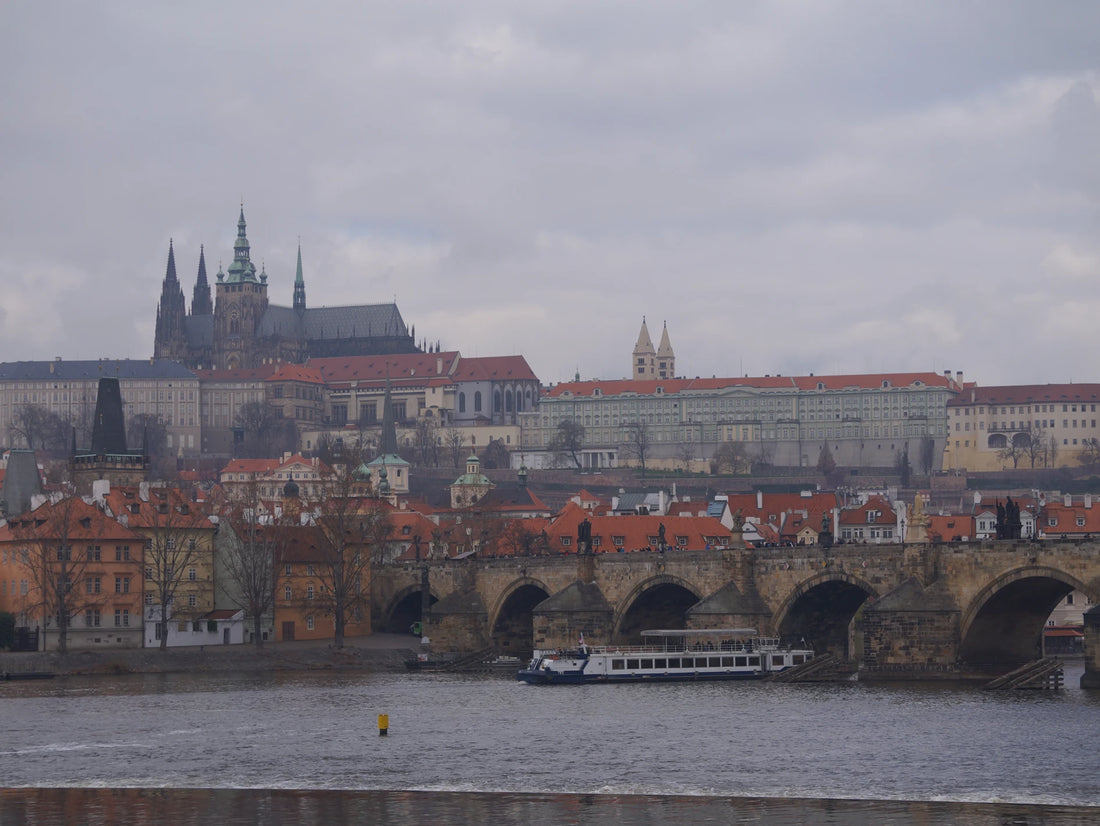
column 383, row 724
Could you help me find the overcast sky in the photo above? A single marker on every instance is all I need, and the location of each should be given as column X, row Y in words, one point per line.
column 794, row 187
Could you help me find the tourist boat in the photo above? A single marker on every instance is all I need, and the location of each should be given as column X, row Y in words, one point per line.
column 668, row 656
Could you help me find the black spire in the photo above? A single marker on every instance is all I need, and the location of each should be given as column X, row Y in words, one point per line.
column 200, row 300
column 108, row 427
column 299, row 285
column 170, row 338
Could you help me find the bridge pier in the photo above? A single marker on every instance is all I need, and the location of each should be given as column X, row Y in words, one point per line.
column 910, row 633
column 1091, row 677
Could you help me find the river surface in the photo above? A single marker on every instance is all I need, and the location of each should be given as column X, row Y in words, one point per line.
column 269, row 745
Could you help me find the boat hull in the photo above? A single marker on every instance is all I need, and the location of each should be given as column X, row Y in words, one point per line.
column 544, row 677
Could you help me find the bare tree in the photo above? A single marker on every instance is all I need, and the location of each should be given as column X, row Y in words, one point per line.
column 1034, row 445
column 455, row 441
column 567, row 442
column 902, row 465
column 355, row 527
column 426, row 442
column 263, row 431
column 253, row 555
column 731, row 457
column 826, row 464
column 174, row 545
column 40, row 428
column 1089, row 455
column 496, row 455
column 637, row 442
column 1014, row 449
column 58, row 585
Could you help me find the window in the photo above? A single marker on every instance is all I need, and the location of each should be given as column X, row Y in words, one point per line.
column 122, row 617
column 122, row 553
column 192, row 574
column 286, row 592
column 122, row 584
column 309, row 623
column 566, row 541
column 286, row 569
column 309, row 570
column 681, row 541
column 1052, row 522
column 148, row 573
column 192, row 601
column 618, row 541
column 91, row 618
column 93, row 584
column 309, row 591
column 94, row 553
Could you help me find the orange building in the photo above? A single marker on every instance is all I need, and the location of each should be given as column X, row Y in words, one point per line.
column 68, row 569
column 309, row 590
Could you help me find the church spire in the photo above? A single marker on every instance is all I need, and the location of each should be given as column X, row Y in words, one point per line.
column 645, row 357
column 169, row 339
column 299, row 285
column 666, row 359
column 242, row 268
column 200, row 299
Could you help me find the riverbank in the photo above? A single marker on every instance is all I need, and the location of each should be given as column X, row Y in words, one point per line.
column 378, row 652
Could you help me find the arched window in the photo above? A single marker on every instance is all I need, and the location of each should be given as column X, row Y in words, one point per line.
column 508, row 401
column 496, row 401
column 477, row 401
column 1021, row 440
column 997, row 441
column 461, row 402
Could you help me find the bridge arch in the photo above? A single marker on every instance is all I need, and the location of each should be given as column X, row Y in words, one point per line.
column 511, row 619
column 1003, row 624
column 820, row 610
column 403, row 610
column 660, row 601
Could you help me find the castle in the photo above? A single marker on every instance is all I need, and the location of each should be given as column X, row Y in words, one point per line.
column 240, row 329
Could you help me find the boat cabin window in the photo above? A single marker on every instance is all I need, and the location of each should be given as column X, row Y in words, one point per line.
column 798, row 659
column 660, row 663
column 674, row 662
column 741, row 661
column 754, row 661
column 777, row 659
column 632, row 664
column 715, row 662
column 647, row 663
column 727, row 662
column 618, row 665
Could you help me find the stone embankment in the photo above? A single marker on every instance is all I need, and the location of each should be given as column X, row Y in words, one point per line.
column 378, row 652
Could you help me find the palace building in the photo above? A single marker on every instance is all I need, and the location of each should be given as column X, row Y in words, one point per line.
column 239, row 328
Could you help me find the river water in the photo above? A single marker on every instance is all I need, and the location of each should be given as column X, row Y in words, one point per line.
column 305, row 747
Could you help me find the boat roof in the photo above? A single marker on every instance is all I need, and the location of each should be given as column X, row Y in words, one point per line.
column 700, row 632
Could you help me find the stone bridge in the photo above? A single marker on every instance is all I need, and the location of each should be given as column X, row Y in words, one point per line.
column 896, row 611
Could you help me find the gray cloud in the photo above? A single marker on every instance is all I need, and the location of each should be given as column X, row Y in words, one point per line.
column 795, row 187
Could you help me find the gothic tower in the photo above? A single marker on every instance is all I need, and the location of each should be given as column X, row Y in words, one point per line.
column 645, row 357
column 299, row 286
column 666, row 359
column 170, row 339
column 200, row 300
column 241, row 302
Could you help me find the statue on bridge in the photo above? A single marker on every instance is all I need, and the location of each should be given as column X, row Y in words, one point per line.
column 584, row 536
column 1009, row 525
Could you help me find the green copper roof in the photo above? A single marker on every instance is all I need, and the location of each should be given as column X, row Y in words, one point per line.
column 242, row 269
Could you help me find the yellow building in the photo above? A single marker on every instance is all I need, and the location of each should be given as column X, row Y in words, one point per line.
column 1024, row 426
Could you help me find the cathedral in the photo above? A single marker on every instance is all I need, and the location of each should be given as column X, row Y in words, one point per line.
column 240, row 329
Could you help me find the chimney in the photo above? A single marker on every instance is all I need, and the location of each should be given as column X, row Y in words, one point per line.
column 959, row 378
column 1088, row 500
column 760, row 500
column 439, row 366
column 143, row 491
column 977, row 497
column 1067, row 499
column 100, row 489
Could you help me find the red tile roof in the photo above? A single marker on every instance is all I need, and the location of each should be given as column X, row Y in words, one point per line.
column 1027, row 394
column 490, row 368
column 649, row 386
column 244, row 374
column 297, row 372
